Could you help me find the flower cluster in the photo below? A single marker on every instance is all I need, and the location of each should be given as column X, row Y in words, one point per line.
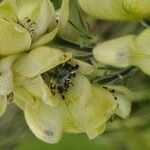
column 53, row 88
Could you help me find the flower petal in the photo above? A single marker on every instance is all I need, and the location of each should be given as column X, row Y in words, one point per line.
column 123, row 97
column 80, row 92
column 117, row 10
column 46, row 122
column 35, row 16
column 6, row 11
column 84, row 68
column 40, row 60
column 6, row 77
column 142, row 42
column 3, row 104
column 23, row 95
column 142, row 54
column 19, row 102
column 92, row 134
column 124, row 108
column 95, row 112
column 115, row 52
column 63, row 15
column 137, row 9
column 45, row 38
column 37, row 88
column 14, row 38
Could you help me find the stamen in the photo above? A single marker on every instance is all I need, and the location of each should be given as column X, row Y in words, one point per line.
column 60, row 78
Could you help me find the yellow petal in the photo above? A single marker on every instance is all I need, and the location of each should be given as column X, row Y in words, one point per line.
column 45, row 39
column 142, row 53
column 95, row 112
column 46, row 122
column 142, row 42
column 84, row 68
column 40, row 60
column 3, row 105
column 115, row 52
column 35, row 16
column 6, row 77
column 23, row 95
column 19, row 102
column 123, row 98
column 63, row 15
column 37, row 88
column 80, row 92
column 117, row 10
column 143, row 63
column 6, row 11
column 137, row 9
column 121, row 89
column 92, row 134
column 14, row 38
column 124, row 108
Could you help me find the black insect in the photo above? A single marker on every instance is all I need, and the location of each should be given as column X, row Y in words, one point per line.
column 62, row 75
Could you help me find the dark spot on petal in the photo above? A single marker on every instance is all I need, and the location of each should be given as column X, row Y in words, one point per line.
column 49, row 133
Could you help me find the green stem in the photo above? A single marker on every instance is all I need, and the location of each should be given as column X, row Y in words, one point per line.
column 70, row 44
column 114, row 76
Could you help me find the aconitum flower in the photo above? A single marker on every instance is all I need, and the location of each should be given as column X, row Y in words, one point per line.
column 56, row 95
column 49, row 85
column 126, row 51
column 24, row 24
column 117, row 9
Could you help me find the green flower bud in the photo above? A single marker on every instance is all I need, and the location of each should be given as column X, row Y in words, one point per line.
column 125, row 51
column 117, row 9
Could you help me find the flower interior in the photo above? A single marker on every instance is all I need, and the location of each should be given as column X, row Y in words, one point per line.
column 59, row 79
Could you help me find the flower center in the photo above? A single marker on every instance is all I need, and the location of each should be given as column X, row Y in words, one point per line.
column 60, row 78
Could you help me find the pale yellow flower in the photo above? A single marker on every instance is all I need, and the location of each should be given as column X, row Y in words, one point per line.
column 72, row 105
column 24, row 24
column 126, row 51
column 117, row 9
